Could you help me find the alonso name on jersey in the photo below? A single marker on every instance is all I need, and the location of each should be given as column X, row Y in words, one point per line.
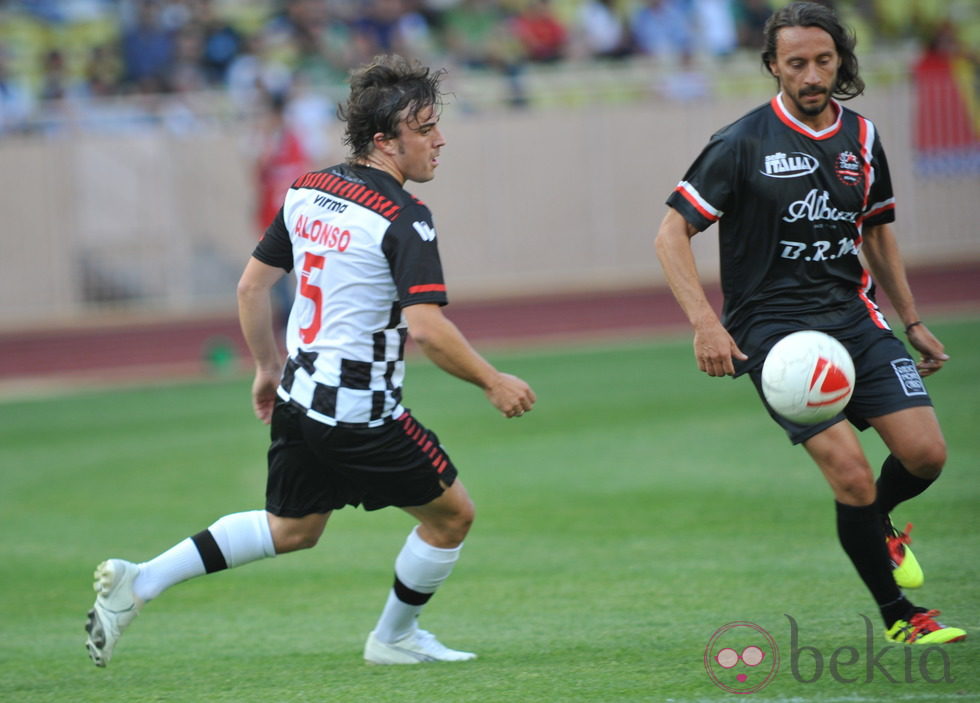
column 791, row 203
column 362, row 248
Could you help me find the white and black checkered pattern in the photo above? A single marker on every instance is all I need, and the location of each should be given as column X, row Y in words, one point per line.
column 362, row 248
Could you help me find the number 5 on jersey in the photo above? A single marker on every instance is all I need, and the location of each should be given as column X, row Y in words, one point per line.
column 314, row 293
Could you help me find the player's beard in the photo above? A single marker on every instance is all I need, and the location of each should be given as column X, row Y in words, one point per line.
column 812, row 110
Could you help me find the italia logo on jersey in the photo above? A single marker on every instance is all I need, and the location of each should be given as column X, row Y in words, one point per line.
column 848, row 169
column 780, row 165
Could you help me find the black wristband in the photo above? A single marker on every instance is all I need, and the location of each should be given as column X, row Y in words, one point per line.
column 911, row 325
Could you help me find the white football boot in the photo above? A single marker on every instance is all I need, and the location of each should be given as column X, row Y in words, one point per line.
column 416, row 647
column 115, row 607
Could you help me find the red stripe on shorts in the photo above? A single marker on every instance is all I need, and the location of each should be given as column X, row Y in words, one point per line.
column 421, row 438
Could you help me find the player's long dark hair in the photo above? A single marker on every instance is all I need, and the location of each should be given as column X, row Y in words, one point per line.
column 811, row 14
column 379, row 94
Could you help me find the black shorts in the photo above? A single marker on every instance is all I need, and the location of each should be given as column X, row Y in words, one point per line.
column 316, row 468
column 886, row 379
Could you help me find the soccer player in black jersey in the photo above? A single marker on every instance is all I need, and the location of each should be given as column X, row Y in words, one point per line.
column 368, row 274
column 799, row 187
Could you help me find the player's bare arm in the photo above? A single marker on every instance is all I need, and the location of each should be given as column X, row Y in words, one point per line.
column 441, row 341
column 714, row 348
column 885, row 262
column 255, row 317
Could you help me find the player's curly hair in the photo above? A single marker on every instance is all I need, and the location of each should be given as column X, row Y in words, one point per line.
column 811, row 14
column 380, row 93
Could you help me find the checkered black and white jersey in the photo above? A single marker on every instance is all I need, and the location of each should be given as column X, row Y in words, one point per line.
column 362, row 248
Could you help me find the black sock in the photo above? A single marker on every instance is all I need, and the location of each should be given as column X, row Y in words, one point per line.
column 896, row 484
column 863, row 539
column 901, row 609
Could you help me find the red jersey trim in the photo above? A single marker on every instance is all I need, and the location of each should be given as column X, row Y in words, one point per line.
column 355, row 192
column 873, row 312
column 879, row 208
column 428, row 288
column 787, row 119
column 691, row 195
column 866, row 137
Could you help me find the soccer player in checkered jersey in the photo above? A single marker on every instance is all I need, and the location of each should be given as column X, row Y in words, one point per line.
column 800, row 186
column 368, row 274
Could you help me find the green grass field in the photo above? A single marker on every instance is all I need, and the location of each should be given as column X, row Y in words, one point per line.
column 641, row 507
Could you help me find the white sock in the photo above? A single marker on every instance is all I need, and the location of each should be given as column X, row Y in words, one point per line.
column 243, row 537
column 179, row 563
column 420, row 568
column 240, row 538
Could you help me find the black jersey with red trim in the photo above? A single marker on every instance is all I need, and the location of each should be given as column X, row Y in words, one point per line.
column 791, row 204
column 362, row 248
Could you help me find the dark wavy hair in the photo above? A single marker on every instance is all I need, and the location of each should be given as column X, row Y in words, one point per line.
column 379, row 94
column 811, row 14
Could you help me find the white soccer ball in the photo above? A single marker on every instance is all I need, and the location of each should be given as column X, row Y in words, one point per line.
column 808, row 377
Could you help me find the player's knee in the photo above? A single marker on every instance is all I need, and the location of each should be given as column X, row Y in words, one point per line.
column 293, row 535
column 450, row 531
column 855, row 488
column 465, row 521
column 294, row 541
column 928, row 459
column 457, row 527
column 305, row 540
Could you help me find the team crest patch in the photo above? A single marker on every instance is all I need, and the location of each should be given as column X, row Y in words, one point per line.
column 909, row 377
column 848, row 169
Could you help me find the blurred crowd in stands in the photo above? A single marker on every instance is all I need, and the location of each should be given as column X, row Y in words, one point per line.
column 58, row 54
